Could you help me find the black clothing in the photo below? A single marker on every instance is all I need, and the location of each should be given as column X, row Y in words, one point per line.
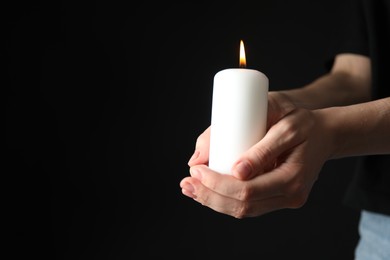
column 368, row 33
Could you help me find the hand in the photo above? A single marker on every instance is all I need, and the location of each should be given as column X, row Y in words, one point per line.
column 278, row 172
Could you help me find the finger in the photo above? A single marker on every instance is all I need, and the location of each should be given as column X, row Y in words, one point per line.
column 279, row 105
column 187, row 188
column 208, row 197
column 281, row 138
column 230, row 206
column 261, row 187
column 201, row 154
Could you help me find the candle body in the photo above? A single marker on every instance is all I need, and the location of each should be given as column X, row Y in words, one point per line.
column 238, row 116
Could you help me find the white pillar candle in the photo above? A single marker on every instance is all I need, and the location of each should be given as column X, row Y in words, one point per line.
column 239, row 114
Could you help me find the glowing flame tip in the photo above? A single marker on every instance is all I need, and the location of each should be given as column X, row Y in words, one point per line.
column 242, row 55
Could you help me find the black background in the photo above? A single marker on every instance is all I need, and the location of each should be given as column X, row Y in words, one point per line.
column 105, row 100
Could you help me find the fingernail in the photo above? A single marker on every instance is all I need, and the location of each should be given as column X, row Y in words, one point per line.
column 196, row 174
column 194, row 156
column 188, row 187
column 242, row 170
column 188, row 190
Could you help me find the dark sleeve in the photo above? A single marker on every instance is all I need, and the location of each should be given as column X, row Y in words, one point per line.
column 352, row 35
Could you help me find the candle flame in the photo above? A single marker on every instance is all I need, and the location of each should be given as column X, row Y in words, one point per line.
column 242, row 55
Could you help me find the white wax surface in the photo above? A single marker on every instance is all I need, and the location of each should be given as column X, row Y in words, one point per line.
column 238, row 117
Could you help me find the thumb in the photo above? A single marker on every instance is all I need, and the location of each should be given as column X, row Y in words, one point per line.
column 201, row 153
column 279, row 139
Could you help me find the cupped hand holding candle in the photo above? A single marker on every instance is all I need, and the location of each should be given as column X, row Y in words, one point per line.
column 239, row 114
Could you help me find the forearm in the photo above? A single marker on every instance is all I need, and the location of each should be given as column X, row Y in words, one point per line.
column 349, row 82
column 333, row 89
column 360, row 129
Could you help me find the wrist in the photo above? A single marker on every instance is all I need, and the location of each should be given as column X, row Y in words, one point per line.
column 355, row 130
column 327, row 119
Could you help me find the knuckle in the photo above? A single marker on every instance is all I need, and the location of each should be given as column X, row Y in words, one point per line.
column 298, row 200
column 296, row 195
column 262, row 155
column 290, row 130
column 211, row 183
column 245, row 193
column 294, row 189
column 243, row 208
column 241, row 211
column 204, row 199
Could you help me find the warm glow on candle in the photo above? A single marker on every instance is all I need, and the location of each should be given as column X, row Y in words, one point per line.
column 242, row 55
